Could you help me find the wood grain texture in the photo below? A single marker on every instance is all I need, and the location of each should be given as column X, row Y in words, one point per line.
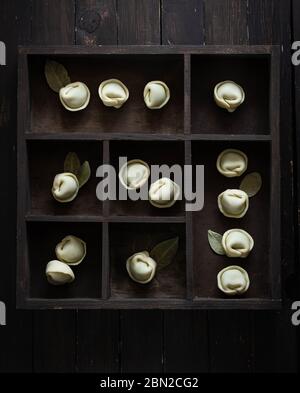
column 186, row 345
column 225, row 22
column 182, row 22
column 229, row 341
column 295, row 282
column 141, row 341
column 274, row 343
column 138, row 22
column 98, row 341
column 271, row 328
column 98, row 331
column 96, row 22
column 54, row 345
column 54, row 342
column 263, row 21
column 140, row 329
column 53, row 21
column 16, row 336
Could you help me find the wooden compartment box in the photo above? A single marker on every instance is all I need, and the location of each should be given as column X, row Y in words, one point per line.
column 189, row 130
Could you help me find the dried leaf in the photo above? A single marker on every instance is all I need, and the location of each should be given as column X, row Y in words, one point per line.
column 56, row 75
column 84, row 173
column 72, row 163
column 251, row 184
column 215, row 242
column 164, row 252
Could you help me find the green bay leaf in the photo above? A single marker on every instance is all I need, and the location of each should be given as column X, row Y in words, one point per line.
column 163, row 253
column 56, row 75
column 215, row 242
column 84, row 173
column 251, row 184
column 72, row 163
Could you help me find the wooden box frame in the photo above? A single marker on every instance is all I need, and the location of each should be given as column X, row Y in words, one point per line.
column 260, row 128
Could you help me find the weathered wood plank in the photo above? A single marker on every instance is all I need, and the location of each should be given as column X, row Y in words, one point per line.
column 274, row 342
column 264, row 22
column 296, row 37
column 225, row 22
column 229, row 341
column 97, row 331
column 54, row 341
column 98, row 341
column 186, row 346
column 53, row 22
column 54, row 344
column 185, row 333
column 96, row 22
column 141, row 331
column 16, row 336
column 182, row 22
column 138, row 22
column 141, row 341
column 274, row 339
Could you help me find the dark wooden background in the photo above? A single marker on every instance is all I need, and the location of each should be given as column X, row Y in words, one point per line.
column 149, row 341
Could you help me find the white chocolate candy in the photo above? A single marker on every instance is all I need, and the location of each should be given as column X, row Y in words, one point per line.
column 233, row 203
column 113, row 93
column 134, row 174
column 65, row 187
column 237, row 243
column 229, row 95
column 164, row 193
column 233, row 280
column 58, row 273
column 232, row 163
column 140, row 267
column 71, row 250
column 156, row 94
column 75, row 96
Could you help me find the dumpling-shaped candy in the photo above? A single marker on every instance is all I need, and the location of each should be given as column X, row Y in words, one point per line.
column 156, row 94
column 65, row 187
column 233, row 203
column 113, row 93
column 71, row 250
column 140, row 267
column 164, row 193
column 229, row 95
column 75, row 96
column 134, row 174
column 237, row 243
column 59, row 273
column 233, row 280
column 232, row 163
